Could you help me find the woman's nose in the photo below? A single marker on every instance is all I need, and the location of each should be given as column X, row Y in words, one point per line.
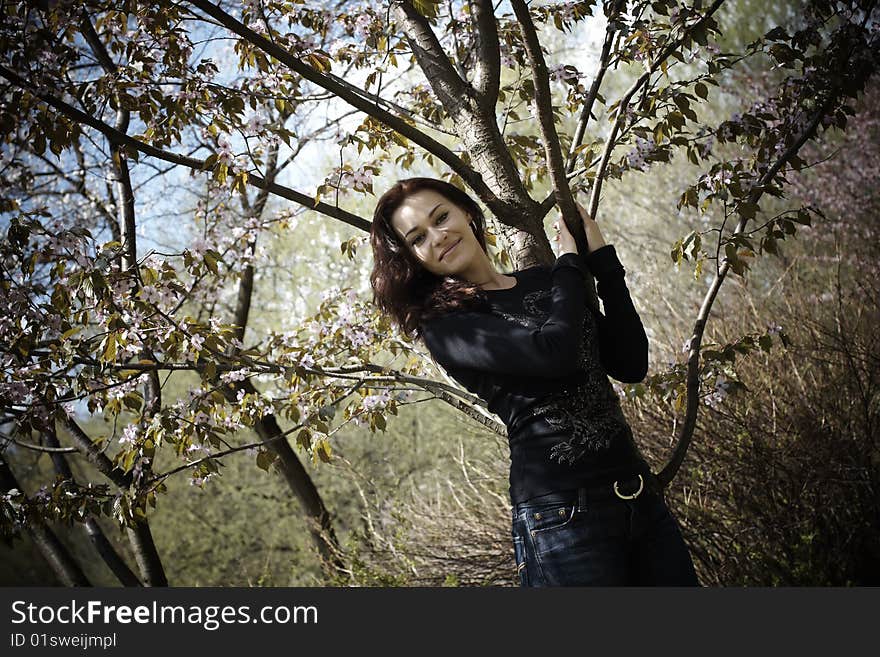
column 437, row 236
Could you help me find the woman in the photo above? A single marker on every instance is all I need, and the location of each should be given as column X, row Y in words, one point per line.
column 586, row 508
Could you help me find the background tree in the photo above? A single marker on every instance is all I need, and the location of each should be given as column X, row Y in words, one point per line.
column 143, row 361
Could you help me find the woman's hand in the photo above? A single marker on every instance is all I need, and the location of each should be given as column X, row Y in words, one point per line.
column 591, row 228
column 566, row 242
column 564, row 238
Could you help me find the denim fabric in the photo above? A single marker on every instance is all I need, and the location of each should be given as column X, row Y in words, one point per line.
column 598, row 539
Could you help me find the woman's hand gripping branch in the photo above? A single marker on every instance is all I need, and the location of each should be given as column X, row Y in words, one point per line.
column 565, row 241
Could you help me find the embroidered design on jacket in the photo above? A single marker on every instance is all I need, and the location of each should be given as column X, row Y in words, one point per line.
column 535, row 313
column 588, row 412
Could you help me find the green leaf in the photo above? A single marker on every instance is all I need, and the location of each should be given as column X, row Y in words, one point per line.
column 128, row 460
column 786, row 341
column 701, row 90
column 675, row 119
column 304, row 439
column 149, row 275
column 38, row 142
column 265, row 459
column 698, row 243
column 70, row 333
column 427, row 8
column 738, row 265
column 133, row 401
column 679, row 402
column 783, row 54
column 211, row 258
column 803, row 217
column 747, row 210
column 109, row 348
column 689, row 197
column 323, row 450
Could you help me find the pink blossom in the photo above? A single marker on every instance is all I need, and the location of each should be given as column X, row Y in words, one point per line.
column 371, row 402
column 362, row 177
column 564, row 73
column 195, row 347
column 255, row 125
column 129, row 435
column 362, row 25
column 224, row 151
column 235, row 375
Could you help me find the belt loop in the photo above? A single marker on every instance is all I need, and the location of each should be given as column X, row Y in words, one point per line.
column 582, row 499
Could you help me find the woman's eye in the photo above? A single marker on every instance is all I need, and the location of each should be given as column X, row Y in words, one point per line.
column 440, row 219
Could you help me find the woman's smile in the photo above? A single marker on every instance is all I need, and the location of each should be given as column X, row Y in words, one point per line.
column 449, row 250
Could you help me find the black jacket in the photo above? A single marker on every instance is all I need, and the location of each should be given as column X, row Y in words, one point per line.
column 540, row 358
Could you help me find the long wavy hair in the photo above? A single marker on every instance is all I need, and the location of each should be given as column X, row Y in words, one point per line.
column 402, row 287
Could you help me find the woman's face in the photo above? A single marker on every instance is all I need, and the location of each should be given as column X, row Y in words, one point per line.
column 436, row 231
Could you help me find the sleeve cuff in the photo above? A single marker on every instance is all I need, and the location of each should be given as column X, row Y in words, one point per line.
column 604, row 262
column 569, row 260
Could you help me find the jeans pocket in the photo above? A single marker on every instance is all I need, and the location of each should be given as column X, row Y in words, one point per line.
column 548, row 518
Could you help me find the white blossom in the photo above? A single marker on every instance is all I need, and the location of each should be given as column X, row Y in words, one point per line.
column 129, row 434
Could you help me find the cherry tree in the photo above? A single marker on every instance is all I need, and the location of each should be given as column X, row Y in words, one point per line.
column 104, row 105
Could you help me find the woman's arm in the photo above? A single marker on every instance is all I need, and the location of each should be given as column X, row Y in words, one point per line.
column 480, row 341
column 623, row 344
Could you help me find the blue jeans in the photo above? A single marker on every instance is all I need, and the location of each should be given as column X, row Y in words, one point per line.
column 594, row 537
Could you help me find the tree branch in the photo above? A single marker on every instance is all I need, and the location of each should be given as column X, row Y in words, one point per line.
column 246, row 284
column 693, row 365
column 38, row 448
column 451, row 89
column 53, row 550
column 587, row 110
column 124, row 192
column 145, row 550
column 487, row 71
column 544, row 108
column 624, row 103
column 476, row 125
column 198, row 165
column 347, row 93
column 96, row 456
column 102, row 544
column 552, row 148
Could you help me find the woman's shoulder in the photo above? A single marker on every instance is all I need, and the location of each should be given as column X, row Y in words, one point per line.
column 534, row 275
column 460, row 321
column 451, row 318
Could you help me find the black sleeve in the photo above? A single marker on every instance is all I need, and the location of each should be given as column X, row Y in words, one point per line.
column 623, row 344
column 481, row 341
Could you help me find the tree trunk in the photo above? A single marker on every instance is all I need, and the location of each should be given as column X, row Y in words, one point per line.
column 56, row 555
column 267, row 428
column 102, row 544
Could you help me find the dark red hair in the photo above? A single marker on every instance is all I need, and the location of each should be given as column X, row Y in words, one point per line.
column 402, row 287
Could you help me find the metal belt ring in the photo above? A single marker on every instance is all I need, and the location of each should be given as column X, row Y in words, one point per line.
column 634, row 495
